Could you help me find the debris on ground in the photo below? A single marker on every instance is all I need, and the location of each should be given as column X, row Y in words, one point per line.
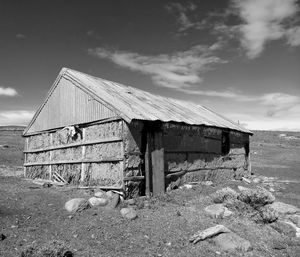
column 209, row 232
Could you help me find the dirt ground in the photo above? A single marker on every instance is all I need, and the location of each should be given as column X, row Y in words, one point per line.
column 30, row 213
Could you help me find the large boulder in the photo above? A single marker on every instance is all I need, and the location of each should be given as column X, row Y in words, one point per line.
column 283, row 208
column 76, row 204
column 232, row 241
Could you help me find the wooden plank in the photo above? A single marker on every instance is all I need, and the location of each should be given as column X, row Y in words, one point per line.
column 148, row 170
column 99, row 141
column 157, row 160
column 107, row 120
column 83, row 165
column 72, row 162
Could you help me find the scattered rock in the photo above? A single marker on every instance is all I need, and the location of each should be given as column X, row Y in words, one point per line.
column 76, row 204
column 207, row 233
column 232, row 241
column 129, row 213
column 295, row 219
column 113, row 200
column 227, row 213
column 284, row 228
column 2, row 237
column 100, row 194
column 217, row 211
column 224, row 195
column 283, row 208
column 95, row 201
column 267, row 214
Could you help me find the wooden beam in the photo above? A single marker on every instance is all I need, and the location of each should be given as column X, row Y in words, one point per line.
column 148, row 166
column 72, row 162
column 158, row 166
column 101, row 141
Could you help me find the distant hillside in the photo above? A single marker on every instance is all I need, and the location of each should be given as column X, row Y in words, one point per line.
column 276, row 137
column 12, row 128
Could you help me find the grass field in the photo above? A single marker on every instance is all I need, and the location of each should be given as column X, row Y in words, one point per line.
column 31, row 213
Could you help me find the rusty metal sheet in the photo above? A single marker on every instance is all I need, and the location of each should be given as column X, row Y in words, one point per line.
column 133, row 103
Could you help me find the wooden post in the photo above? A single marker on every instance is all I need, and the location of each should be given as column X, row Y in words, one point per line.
column 83, row 150
column 148, row 166
column 157, row 160
column 50, row 157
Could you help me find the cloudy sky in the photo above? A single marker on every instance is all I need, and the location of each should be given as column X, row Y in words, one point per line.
column 238, row 57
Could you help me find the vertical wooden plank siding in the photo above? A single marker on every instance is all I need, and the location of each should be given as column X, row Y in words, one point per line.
column 69, row 105
column 157, row 159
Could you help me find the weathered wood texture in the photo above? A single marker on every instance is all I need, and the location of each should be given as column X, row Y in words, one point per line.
column 95, row 157
column 68, row 104
column 195, row 153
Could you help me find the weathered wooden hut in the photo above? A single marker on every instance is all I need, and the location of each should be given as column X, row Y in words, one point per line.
column 95, row 132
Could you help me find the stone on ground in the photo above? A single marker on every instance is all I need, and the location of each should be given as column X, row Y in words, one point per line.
column 232, row 241
column 217, row 211
column 113, row 200
column 284, row 228
column 75, row 204
column 129, row 213
column 100, row 194
column 295, row 219
column 207, row 233
column 95, row 201
column 283, row 208
column 130, row 202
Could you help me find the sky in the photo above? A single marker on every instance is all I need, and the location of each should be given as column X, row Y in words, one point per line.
column 240, row 58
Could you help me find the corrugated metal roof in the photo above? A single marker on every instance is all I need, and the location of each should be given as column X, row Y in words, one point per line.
column 132, row 103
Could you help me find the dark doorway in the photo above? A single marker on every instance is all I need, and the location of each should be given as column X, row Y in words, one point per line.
column 225, row 142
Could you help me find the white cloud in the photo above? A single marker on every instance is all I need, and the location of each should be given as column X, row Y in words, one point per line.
column 8, row 91
column 183, row 15
column 19, row 117
column 293, row 36
column 263, row 21
column 179, row 70
column 278, row 103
